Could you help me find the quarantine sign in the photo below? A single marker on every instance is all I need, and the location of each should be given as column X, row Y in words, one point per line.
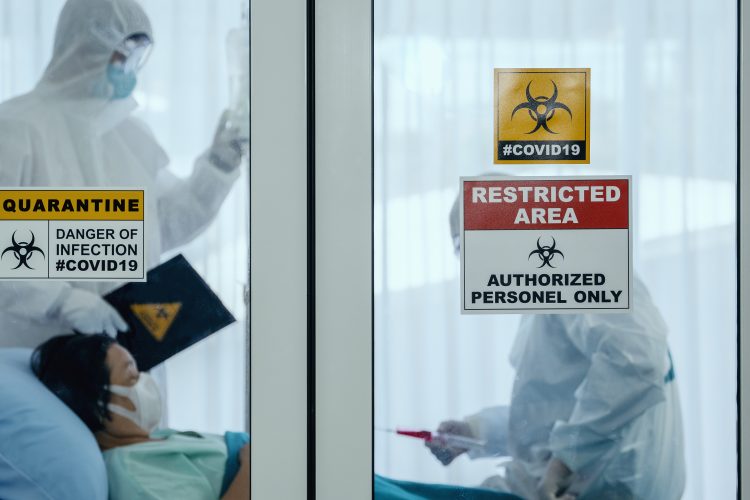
column 542, row 115
column 545, row 245
column 72, row 234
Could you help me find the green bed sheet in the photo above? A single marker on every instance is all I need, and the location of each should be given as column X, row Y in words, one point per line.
column 390, row 489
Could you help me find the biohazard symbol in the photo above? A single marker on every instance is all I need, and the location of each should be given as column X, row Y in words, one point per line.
column 546, row 253
column 541, row 108
column 157, row 318
column 22, row 251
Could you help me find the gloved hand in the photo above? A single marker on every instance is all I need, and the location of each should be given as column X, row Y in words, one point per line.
column 447, row 454
column 228, row 146
column 557, row 479
column 87, row 312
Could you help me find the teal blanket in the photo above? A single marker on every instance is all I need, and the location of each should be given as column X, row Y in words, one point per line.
column 389, row 489
column 234, row 441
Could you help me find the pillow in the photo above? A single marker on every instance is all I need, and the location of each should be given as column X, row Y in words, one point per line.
column 46, row 451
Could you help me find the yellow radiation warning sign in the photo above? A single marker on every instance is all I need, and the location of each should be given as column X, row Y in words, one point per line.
column 542, row 115
column 157, row 318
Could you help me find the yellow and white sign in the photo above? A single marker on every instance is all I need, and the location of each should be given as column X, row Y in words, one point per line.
column 542, row 115
column 72, row 234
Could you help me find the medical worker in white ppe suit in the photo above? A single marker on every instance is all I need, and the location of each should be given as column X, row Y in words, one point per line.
column 75, row 129
column 594, row 412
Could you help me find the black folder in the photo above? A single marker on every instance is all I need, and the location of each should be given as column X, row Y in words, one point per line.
column 168, row 313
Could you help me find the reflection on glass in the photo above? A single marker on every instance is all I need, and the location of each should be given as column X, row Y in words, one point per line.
column 126, row 94
column 433, row 123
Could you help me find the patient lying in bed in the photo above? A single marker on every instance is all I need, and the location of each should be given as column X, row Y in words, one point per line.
column 98, row 379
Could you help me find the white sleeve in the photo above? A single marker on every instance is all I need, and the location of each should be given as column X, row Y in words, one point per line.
column 625, row 378
column 490, row 425
column 187, row 206
column 28, row 299
column 37, row 300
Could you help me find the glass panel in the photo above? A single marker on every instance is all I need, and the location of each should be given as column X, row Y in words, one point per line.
column 663, row 109
column 129, row 95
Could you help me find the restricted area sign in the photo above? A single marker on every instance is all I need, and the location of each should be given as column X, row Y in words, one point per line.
column 72, row 234
column 545, row 245
column 542, row 115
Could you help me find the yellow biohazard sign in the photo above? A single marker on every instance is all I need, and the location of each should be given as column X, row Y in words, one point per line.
column 157, row 318
column 542, row 115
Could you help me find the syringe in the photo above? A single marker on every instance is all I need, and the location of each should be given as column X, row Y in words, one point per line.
column 440, row 438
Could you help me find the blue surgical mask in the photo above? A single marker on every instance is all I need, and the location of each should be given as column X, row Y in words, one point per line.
column 122, row 82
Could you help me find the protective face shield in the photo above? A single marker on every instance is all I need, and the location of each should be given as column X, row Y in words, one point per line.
column 145, row 397
column 129, row 57
column 455, row 225
column 132, row 53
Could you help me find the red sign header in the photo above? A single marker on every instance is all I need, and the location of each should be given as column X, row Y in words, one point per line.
column 546, row 204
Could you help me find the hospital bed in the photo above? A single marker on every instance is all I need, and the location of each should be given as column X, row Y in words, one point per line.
column 46, row 452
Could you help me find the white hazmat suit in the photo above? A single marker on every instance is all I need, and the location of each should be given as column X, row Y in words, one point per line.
column 597, row 392
column 70, row 132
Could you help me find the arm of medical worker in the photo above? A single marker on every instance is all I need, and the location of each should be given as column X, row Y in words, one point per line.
column 625, row 378
column 35, row 300
column 25, row 299
column 43, row 302
column 58, row 305
column 490, row 425
column 187, row 206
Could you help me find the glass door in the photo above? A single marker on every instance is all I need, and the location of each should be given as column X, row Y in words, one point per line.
column 663, row 110
column 438, row 370
column 504, row 377
column 123, row 291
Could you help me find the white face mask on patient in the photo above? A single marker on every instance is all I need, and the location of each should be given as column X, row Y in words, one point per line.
column 146, row 399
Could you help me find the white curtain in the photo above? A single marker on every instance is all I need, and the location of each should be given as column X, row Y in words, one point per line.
column 663, row 109
column 182, row 90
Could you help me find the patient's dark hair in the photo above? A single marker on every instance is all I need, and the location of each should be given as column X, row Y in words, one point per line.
column 74, row 368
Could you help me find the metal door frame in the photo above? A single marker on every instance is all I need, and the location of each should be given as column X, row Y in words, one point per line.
column 343, row 194
column 311, row 269
column 278, row 249
column 743, row 249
